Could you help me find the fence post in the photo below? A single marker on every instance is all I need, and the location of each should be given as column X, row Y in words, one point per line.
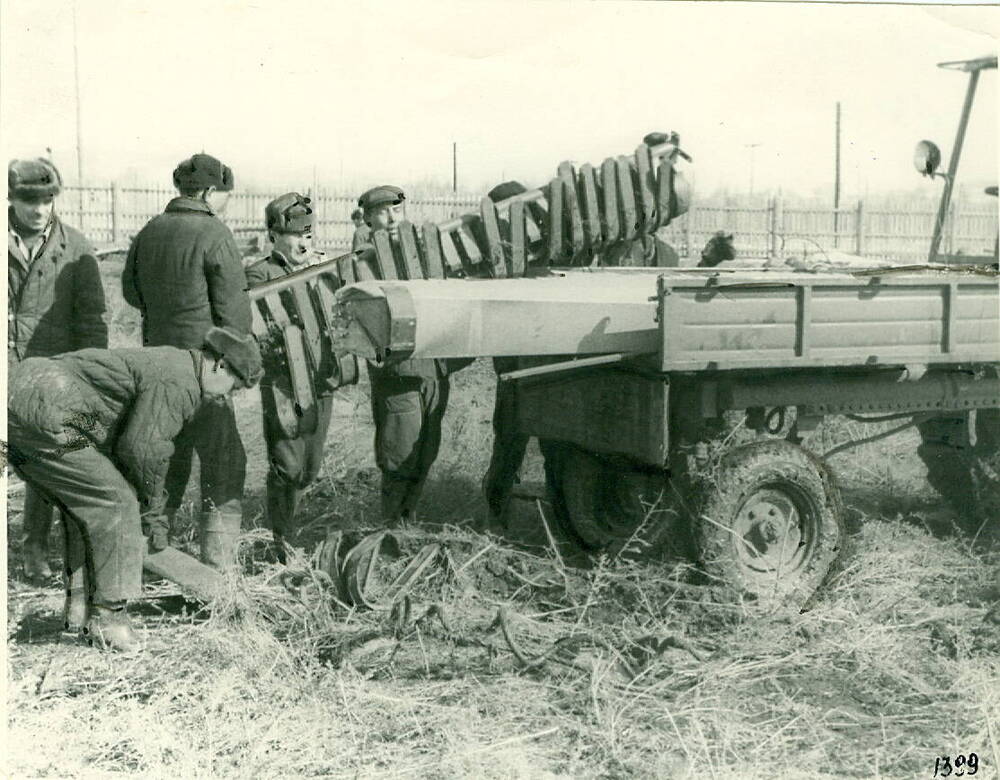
column 687, row 230
column 777, row 225
column 859, row 229
column 116, row 221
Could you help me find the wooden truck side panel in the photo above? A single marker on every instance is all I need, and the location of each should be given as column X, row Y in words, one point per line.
column 828, row 321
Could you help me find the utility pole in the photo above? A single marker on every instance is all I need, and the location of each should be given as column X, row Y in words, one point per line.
column 454, row 166
column 751, row 147
column 76, row 81
column 836, row 181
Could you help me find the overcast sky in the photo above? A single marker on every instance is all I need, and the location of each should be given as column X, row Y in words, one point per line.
column 371, row 92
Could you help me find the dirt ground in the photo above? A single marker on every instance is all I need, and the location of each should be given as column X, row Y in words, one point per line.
column 625, row 670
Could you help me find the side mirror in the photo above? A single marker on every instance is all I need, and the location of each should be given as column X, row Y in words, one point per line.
column 926, row 158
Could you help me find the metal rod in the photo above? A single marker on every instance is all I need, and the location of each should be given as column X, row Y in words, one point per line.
column 956, row 153
column 327, row 266
column 454, row 166
column 76, row 85
column 836, row 181
column 567, row 365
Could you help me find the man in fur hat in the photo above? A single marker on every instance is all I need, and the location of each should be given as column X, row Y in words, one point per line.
column 55, row 303
column 93, row 431
column 408, row 398
column 184, row 274
column 294, row 461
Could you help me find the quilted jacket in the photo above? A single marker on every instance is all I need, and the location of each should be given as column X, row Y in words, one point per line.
column 56, row 303
column 128, row 403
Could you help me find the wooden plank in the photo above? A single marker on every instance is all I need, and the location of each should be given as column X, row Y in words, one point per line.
column 312, row 331
column 664, row 193
column 258, row 326
column 471, row 253
column 275, row 309
column 411, row 251
column 366, row 266
column 536, row 221
column 280, row 386
column 494, row 243
column 610, row 223
column 432, row 248
column 555, row 222
column 384, row 257
column 453, row 262
column 591, row 206
column 345, row 269
column 647, row 187
column 518, row 239
column 326, row 287
column 298, row 371
column 571, row 207
column 626, row 199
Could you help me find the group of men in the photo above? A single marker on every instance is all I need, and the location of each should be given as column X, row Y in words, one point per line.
column 106, row 436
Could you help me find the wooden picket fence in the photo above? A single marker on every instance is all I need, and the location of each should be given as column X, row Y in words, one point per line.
column 111, row 215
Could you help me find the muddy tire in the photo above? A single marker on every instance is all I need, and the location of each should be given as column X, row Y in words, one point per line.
column 614, row 508
column 770, row 527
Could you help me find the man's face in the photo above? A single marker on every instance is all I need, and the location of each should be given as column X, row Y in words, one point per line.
column 296, row 247
column 33, row 214
column 386, row 216
column 217, row 200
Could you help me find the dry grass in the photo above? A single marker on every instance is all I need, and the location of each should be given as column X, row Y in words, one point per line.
column 892, row 666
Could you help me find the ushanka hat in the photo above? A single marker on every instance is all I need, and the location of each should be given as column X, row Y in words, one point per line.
column 32, row 179
column 289, row 213
column 201, row 172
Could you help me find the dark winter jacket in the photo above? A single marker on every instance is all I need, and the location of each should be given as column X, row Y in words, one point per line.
column 128, row 403
column 183, row 272
column 55, row 304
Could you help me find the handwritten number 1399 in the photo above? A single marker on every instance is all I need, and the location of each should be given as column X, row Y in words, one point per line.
column 943, row 766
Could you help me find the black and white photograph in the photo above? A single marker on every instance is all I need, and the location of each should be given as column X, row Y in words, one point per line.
column 501, row 389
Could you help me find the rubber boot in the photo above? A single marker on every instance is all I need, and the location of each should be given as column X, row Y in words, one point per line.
column 108, row 628
column 220, row 535
column 77, row 604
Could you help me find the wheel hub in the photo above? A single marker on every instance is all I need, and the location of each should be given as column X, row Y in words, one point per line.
column 768, row 530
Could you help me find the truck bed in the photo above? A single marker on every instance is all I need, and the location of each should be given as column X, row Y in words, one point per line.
column 781, row 320
column 694, row 320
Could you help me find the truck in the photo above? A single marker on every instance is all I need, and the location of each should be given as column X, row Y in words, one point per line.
column 629, row 375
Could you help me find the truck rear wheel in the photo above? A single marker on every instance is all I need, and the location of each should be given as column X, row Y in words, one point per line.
column 770, row 525
column 611, row 506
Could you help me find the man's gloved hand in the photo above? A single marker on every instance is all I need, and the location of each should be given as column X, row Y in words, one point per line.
column 157, row 528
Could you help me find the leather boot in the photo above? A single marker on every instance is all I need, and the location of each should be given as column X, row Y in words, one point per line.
column 108, row 628
column 220, row 535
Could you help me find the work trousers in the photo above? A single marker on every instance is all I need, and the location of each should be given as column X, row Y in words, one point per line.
column 213, row 434
column 38, row 516
column 294, row 462
column 509, row 444
column 408, row 411
column 100, row 503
